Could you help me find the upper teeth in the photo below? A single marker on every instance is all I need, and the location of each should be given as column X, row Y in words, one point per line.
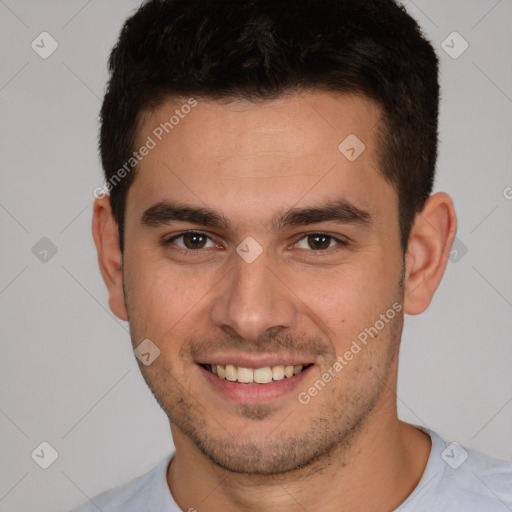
column 259, row 375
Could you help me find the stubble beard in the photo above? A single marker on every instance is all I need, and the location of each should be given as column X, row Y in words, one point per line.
column 312, row 447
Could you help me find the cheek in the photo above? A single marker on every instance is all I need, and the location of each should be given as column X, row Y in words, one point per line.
column 348, row 293
column 350, row 299
column 162, row 297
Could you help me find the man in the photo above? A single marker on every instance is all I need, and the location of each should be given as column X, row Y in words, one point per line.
column 269, row 221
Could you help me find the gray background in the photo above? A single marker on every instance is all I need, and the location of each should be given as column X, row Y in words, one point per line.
column 67, row 373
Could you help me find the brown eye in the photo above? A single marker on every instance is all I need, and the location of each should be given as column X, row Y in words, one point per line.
column 319, row 241
column 194, row 240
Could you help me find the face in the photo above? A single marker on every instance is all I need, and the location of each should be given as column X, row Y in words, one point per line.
column 253, row 242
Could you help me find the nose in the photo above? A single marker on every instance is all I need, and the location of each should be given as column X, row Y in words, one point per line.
column 252, row 299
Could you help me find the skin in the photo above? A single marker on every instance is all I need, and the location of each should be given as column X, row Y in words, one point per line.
column 346, row 450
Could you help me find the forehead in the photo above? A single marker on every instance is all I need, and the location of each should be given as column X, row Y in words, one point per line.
column 304, row 121
column 265, row 155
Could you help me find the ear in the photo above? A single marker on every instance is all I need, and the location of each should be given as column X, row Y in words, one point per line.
column 106, row 237
column 431, row 239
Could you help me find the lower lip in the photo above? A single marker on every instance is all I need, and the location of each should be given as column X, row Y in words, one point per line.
column 254, row 393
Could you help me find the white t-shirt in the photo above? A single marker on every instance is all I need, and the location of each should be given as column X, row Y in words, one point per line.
column 455, row 480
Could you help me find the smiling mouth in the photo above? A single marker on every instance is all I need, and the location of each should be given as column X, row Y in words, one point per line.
column 263, row 375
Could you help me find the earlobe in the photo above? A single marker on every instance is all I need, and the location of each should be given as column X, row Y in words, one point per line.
column 106, row 238
column 427, row 253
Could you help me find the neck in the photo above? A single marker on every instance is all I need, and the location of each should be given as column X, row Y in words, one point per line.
column 376, row 470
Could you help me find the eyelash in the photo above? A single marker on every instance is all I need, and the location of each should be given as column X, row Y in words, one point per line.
column 340, row 243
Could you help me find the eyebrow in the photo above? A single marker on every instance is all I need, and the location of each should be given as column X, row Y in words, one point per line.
column 165, row 212
column 339, row 211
